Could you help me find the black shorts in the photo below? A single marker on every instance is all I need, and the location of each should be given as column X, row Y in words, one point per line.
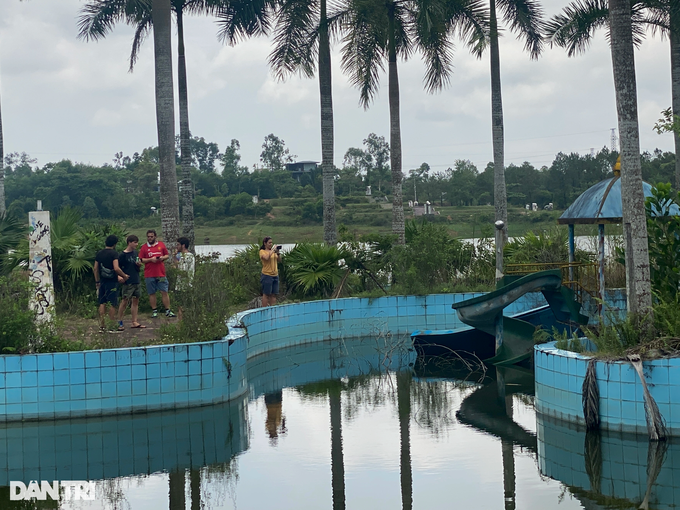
column 270, row 284
column 108, row 292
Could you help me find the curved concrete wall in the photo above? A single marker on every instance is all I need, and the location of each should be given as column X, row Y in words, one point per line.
column 119, row 381
column 559, row 377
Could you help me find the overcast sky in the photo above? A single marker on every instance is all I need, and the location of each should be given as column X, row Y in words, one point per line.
column 67, row 98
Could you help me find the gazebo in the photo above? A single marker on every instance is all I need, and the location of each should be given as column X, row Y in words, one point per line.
column 601, row 205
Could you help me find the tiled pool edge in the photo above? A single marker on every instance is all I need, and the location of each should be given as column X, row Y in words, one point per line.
column 559, row 377
column 120, row 381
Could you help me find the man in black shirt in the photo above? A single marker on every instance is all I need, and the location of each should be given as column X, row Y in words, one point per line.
column 129, row 263
column 107, row 274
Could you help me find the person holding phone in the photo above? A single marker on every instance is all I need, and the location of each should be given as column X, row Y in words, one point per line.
column 269, row 256
column 153, row 255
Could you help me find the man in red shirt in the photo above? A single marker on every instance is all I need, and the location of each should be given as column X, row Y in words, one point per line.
column 153, row 255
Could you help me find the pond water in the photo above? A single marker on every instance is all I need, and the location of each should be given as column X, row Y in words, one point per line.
column 358, row 424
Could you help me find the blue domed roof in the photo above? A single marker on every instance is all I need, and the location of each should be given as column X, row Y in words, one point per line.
column 601, row 203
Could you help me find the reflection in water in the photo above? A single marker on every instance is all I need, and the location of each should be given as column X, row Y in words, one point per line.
column 404, row 411
column 394, row 438
column 337, row 459
column 275, row 423
column 609, row 469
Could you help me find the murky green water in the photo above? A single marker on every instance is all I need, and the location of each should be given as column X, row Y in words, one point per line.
column 350, row 425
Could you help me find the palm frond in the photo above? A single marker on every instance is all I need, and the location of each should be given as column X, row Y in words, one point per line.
column 364, row 48
column 295, row 38
column 144, row 27
column 575, row 27
column 432, row 37
column 98, row 17
column 525, row 19
column 239, row 19
column 470, row 19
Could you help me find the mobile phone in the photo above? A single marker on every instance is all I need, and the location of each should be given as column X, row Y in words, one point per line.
column 279, row 246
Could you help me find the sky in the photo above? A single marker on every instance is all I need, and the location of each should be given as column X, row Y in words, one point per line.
column 65, row 98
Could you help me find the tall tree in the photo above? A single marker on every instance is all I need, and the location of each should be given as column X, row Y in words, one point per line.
column 638, row 283
column 165, row 118
column 239, row 18
column 524, row 18
column 574, row 28
column 2, row 170
column 301, row 44
column 382, row 30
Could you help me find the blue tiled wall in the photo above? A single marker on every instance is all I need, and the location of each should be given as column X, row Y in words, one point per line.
column 620, row 470
column 100, row 382
column 559, row 377
column 287, row 325
column 131, row 444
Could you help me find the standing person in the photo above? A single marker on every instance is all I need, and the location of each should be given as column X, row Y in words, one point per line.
column 269, row 256
column 129, row 263
column 153, row 255
column 186, row 267
column 107, row 274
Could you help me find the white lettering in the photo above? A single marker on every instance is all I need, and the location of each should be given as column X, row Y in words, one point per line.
column 52, row 490
column 74, row 490
column 15, row 495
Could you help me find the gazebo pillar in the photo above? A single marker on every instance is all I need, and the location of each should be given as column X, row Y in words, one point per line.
column 600, row 252
column 571, row 252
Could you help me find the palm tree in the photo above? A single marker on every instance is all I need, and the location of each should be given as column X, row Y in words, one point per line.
column 638, row 283
column 165, row 118
column 575, row 27
column 98, row 18
column 2, row 170
column 303, row 32
column 524, row 18
column 382, row 30
column 404, row 411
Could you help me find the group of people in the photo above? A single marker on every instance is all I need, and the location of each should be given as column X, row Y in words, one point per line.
column 112, row 269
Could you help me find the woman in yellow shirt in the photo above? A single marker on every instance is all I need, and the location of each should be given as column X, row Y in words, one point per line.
column 269, row 279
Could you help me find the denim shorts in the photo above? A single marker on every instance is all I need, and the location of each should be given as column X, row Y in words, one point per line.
column 270, row 284
column 156, row 284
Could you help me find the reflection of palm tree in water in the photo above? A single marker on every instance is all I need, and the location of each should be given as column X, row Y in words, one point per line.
column 275, row 423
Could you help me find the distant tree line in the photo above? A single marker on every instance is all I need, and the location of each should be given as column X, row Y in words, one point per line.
column 129, row 187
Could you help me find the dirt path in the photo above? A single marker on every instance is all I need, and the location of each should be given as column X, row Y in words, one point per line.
column 87, row 330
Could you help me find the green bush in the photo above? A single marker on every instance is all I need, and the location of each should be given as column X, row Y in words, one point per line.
column 17, row 321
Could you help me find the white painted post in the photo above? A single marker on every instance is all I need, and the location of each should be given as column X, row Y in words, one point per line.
column 40, row 264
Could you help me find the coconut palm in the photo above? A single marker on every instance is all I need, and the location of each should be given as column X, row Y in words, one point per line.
column 523, row 18
column 2, row 170
column 302, row 43
column 638, row 283
column 379, row 31
column 574, row 28
column 239, row 18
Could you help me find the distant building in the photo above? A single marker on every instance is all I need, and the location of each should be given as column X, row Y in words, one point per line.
column 423, row 210
column 300, row 168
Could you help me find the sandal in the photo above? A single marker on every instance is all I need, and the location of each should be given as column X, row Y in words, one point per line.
column 121, row 328
column 138, row 326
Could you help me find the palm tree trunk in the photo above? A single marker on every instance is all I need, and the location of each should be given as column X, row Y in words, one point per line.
column 675, row 82
column 2, row 170
column 165, row 120
column 195, row 480
column 326, row 94
column 184, row 136
column 638, row 285
column 176, row 482
column 398, row 227
column 337, row 458
column 404, row 412
column 500, row 198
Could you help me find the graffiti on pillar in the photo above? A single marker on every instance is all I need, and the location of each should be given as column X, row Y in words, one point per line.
column 40, row 264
